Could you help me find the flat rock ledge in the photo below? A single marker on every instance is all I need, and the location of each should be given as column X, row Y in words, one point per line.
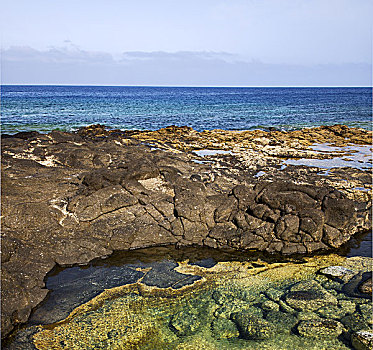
column 68, row 198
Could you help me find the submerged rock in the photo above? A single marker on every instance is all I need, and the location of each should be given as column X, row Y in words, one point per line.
column 362, row 340
column 366, row 286
column 252, row 327
column 309, row 296
column 284, row 322
column 185, row 322
column 323, row 328
column 355, row 322
column 367, row 312
column 269, row 305
column 224, row 329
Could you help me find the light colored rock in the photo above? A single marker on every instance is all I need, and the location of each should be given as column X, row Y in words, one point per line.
column 340, row 272
column 362, row 340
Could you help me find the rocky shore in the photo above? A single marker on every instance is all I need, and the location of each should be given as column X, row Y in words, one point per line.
column 68, row 198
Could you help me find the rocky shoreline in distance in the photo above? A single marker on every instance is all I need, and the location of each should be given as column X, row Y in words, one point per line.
column 68, row 198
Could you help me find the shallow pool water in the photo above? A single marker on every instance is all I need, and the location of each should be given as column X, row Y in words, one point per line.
column 232, row 305
column 211, row 152
column 359, row 157
column 163, row 298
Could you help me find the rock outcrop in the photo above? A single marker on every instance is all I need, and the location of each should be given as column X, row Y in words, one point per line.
column 68, row 198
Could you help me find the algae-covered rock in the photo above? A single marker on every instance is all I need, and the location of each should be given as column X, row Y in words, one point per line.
column 286, row 308
column 347, row 305
column 185, row 322
column 367, row 312
column 355, row 322
column 307, row 316
column 274, row 294
column 323, row 328
column 309, row 296
column 362, row 340
column 229, row 294
column 270, row 305
column 366, row 287
column 253, row 327
column 224, row 329
column 284, row 322
column 226, row 310
column 332, row 311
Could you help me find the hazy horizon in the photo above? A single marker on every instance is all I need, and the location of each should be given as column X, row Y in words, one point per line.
column 211, row 43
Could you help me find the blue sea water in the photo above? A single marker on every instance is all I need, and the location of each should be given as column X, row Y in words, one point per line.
column 44, row 108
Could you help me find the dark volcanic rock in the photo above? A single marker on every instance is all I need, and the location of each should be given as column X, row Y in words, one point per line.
column 68, row 198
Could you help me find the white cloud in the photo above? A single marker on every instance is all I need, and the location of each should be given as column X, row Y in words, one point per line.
column 72, row 65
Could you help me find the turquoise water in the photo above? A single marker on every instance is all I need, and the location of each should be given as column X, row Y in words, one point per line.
column 44, row 108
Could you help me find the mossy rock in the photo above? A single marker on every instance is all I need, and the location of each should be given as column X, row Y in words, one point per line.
column 270, row 305
column 366, row 311
column 230, row 294
column 185, row 322
column 253, row 327
column 347, row 305
column 226, row 310
column 274, row 294
column 284, row 322
column 332, row 311
column 224, row 329
column 309, row 296
column 355, row 322
column 322, row 328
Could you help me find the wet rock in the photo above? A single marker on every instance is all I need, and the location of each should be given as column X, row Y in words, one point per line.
column 186, row 322
column 270, row 306
column 274, row 294
column 224, row 329
column 348, row 306
column 324, row 328
column 355, row 322
column 366, row 311
column 309, row 296
column 366, row 286
column 340, row 272
column 97, row 190
column 284, row 322
column 253, row 327
column 362, row 340
column 226, row 310
column 333, row 311
column 225, row 295
column 353, row 287
column 22, row 340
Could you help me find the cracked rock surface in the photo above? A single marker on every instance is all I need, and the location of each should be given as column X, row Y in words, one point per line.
column 68, row 198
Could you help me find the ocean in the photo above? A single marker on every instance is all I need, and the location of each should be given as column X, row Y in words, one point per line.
column 44, row 108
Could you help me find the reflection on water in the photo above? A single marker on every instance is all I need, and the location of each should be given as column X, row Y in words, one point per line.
column 73, row 286
column 359, row 157
column 193, row 298
column 234, row 305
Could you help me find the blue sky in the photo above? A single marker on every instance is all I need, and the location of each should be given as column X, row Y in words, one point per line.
column 205, row 42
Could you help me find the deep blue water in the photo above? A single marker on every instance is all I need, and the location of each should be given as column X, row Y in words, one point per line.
column 45, row 108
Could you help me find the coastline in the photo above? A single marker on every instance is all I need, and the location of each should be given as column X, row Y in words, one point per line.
column 71, row 197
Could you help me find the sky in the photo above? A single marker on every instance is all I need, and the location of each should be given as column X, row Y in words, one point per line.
column 193, row 42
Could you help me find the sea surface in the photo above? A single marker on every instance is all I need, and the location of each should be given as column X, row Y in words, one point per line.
column 44, row 108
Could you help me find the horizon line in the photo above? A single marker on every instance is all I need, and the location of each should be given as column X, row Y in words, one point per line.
column 199, row 86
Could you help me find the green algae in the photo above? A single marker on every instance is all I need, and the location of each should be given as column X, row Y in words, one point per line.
column 234, row 306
